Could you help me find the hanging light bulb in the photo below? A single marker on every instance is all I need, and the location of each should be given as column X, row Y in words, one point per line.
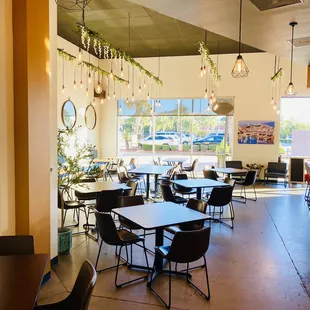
column 278, row 111
column 109, row 97
column 80, row 56
column 81, row 84
column 272, row 101
column 127, row 100
column 114, row 95
column 122, row 71
column 213, row 99
column 74, row 84
column 144, row 84
column 111, row 74
column 159, row 104
column 101, row 101
column 120, row 109
column 204, row 69
column 201, row 71
column 133, row 97
column 139, row 89
column 148, row 96
column 290, row 90
column 86, row 92
column 89, row 78
column 63, row 89
column 128, row 84
column 275, row 106
column 99, row 88
column 240, row 69
column 212, row 94
column 206, row 93
column 94, row 102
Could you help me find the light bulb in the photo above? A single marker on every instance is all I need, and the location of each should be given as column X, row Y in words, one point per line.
column 122, row 72
column 81, row 84
column 109, row 97
column 278, row 111
column 99, row 88
column 204, row 69
column 127, row 100
column 74, row 84
column 111, row 74
column 114, row 95
column 144, row 84
column 80, row 56
column 120, row 109
column 101, row 101
column 139, row 89
column 159, row 104
column 275, row 107
column 63, row 88
column 272, row 101
column 89, row 78
column 206, row 93
column 239, row 65
column 213, row 100
column 86, row 92
column 128, row 85
column 290, row 91
column 133, row 97
column 212, row 94
column 148, row 96
column 201, row 72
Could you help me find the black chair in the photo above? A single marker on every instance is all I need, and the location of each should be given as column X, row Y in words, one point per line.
column 180, row 189
column 221, row 197
column 131, row 192
column 191, row 169
column 81, row 293
column 168, row 195
column 108, row 200
column 186, row 247
column 16, row 245
column 208, row 174
column 276, row 170
column 236, row 164
column 122, row 238
column 249, row 180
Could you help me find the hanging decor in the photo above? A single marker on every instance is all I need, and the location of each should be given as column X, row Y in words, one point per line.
column 276, row 85
column 290, row 90
column 240, row 69
column 110, row 52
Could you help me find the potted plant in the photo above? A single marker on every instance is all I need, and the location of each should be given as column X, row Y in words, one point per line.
column 75, row 162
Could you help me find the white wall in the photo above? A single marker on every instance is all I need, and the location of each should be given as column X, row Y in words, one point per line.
column 180, row 76
column 7, row 180
column 77, row 96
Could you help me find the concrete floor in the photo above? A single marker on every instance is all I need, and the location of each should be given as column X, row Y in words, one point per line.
column 262, row 264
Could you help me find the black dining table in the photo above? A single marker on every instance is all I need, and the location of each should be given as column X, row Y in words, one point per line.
column 150, row 170
column 199, row 184
column 158, row 216
column 20, row 280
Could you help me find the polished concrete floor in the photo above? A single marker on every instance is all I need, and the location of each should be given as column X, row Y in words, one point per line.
column 264, row 263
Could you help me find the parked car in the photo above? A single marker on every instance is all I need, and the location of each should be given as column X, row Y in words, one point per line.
column 158, row 140
column 215, row 139
column 175, row 135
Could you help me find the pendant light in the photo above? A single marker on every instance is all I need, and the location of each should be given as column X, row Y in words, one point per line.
column 240, row 69
column 290, row 90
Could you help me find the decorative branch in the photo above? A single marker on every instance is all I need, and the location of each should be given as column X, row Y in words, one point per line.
column 98, row 40
column 277, row 75
column 66, row 56
column 205, row 54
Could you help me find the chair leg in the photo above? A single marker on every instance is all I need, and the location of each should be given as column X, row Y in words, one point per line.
column 254, row 192
column 98, row 255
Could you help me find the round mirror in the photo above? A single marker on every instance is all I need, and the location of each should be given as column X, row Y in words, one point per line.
column 68, row 114
column 90, row 117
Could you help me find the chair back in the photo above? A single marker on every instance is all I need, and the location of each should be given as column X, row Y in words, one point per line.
column 107, row 229
column 121, row 163
column 196, row 205
column 16, row 245
column 230, row 181
column 276, row 167
column 129, row 201
column 220, row 196
column 167, row 192
column 189, row 246
column 250, row 178
column 237, row 164
column 208, row 174
column 84, row 284
column 132, row 191
column 194, row 165
column 108, row 200
column 176, row 187
column 122, row 174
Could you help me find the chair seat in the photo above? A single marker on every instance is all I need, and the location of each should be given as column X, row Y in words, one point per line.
column 187, row 168
column 179, row 199
column 128, row 237
column 275, row 174
column 129, row 224
column 163, row 250
column 173, row 229
column 73, row 204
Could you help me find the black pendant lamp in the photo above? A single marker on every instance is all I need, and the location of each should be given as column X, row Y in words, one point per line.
column 290, row 90
column 240, row 69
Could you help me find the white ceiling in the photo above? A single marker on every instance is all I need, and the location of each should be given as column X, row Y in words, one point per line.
column 266, row 30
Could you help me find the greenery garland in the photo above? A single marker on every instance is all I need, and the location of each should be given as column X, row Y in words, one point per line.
column 66, row 56
column 99, row 42
column 277, row 75
column 205, row 54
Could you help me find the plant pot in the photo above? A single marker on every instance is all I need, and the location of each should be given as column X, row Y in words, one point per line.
column 64, row 240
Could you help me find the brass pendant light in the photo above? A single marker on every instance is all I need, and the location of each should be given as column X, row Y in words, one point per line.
column 240, row 69
column 290, row 90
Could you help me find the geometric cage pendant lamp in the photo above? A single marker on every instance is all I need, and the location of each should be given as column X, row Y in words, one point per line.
column 290, row 90
column 240, row 69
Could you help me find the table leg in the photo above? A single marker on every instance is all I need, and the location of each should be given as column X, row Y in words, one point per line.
column 156, row 180
column 147, row 186
column 198, row 193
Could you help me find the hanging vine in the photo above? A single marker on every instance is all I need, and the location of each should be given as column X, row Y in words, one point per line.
column 110, row 51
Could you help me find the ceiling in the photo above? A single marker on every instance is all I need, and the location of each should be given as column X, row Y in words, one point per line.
column 151, row 32
column 265, row 23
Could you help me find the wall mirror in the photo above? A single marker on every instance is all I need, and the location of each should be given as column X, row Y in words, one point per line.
column 90, row 117
column 68, row 114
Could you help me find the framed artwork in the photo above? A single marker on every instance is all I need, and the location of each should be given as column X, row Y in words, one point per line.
column 256, row 132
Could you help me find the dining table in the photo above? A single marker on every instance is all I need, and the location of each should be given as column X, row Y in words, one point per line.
column 199, row 184
column 157, row 216
column 20, row 280
column 149, row 170
column 173, row 161
column 97, row 187
column 229, row 171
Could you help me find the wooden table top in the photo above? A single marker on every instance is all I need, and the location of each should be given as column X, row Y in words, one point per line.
column 229, row 170
column 150, row 169
column 159, row 215
column 196, row 183
column 20, row 280
column 97, row 187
